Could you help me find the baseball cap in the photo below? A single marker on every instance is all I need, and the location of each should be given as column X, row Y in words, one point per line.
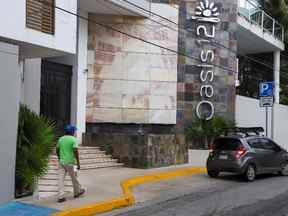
column 70, row 128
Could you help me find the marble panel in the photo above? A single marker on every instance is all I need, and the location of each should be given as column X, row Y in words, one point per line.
column 162, row 102
column 110, row 100
column 130, row 87
column 103, row 115
column 91, row 57
column 135, row 65
column 135, row 116
column 162, row 116
column 163, row 88
column 135, row 101
column 107, row 86
column 114, row 71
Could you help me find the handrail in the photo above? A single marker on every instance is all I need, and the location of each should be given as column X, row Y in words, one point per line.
column 251, row 10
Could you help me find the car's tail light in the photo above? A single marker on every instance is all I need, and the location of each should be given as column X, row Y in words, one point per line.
column 212, row 147
column 240, row 152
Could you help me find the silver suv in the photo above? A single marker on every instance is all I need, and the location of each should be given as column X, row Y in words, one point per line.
column 247, row 156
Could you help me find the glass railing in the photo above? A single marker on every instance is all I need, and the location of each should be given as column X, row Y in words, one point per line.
column 251, row 10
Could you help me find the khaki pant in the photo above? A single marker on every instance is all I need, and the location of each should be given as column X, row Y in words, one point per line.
column 63, row 170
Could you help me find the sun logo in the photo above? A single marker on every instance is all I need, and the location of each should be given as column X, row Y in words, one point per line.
column 207, row 9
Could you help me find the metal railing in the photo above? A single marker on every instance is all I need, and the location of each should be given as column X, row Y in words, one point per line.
column 252, row 11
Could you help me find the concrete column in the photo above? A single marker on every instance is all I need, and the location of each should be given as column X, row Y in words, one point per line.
column 79, row 80
column 277, row 76
column 10, row 85
column 32, row 84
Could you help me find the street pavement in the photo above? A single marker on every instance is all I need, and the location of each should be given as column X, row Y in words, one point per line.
column 202, row 196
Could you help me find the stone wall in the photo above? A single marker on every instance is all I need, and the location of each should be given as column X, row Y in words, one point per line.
column 223, row 65
column 141, row 146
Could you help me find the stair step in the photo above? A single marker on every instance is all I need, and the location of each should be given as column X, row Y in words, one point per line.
column 100, row 165
column 47, row 194
column 53, row 188
column 54, row 177
column 97, row 160
column 83, row 151
column 52, row 172
column 92, row 156
column 86, row 162
column 91, row 151
column 88, row 147
column 46, row 182
column 84, row 157
column 55, row 165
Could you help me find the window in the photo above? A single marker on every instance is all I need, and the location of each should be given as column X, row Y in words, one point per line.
column 228, row 144
column 255, row 144
column 40, row 15
column 269, row 145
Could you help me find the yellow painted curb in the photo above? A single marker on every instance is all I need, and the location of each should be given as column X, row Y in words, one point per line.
column 128, row 198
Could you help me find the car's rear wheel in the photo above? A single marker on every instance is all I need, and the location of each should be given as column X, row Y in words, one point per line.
column 213, row 173
column 284, row 169
column 250, row 173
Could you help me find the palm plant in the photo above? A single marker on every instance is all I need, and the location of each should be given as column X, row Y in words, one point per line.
column 204, row 131
column 35, row 142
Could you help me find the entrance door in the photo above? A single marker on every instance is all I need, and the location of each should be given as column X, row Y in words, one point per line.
column 56, row 93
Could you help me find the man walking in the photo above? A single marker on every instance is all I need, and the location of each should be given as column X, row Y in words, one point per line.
column 67, row 152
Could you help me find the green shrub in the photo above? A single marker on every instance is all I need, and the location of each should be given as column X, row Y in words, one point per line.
column 206, row 131
column 35, row 142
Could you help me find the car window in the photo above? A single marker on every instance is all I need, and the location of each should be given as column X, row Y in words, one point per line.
column 228, row 144
column 268, row 144
column 255, row 144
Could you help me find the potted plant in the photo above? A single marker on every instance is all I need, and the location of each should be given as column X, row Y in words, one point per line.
column 35, row 142
column 204, row 132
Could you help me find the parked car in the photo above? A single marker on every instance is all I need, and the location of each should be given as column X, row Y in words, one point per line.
column 247, row 156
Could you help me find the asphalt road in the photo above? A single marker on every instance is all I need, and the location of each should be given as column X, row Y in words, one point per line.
column 226, row 196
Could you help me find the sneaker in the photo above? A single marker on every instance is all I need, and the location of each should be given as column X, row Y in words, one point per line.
column 82, row 191
column 61, row 200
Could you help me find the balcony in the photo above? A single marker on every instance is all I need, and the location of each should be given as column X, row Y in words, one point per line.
column 257, row 28
column 117, row 7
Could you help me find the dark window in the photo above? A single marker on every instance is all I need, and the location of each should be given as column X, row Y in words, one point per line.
column 269, row 145
column 255, row 144
column 228, row 144
column 40, row 15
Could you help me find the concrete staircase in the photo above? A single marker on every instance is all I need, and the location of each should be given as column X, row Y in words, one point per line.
column 90, row 158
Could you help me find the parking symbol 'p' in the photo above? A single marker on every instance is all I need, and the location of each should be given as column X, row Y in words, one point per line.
column 265, row 87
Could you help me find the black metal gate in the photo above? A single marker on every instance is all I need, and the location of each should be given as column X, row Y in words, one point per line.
column 56, row 93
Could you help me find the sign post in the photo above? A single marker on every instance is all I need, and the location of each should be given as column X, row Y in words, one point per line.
column 266, row 94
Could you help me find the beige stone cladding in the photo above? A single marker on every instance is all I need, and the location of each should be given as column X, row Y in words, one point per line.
column 130, row 81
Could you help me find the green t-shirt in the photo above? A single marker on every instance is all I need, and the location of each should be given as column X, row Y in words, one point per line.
column 66, row 145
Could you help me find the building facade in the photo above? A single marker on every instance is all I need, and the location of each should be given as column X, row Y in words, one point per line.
column 35, row 31
column 131, row 74
column 145, row 126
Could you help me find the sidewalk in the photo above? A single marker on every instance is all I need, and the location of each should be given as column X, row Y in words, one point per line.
column 101, row 184
column 105, row 184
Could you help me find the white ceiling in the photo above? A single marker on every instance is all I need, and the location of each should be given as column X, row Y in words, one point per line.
column 251, row 39
column 107, row 7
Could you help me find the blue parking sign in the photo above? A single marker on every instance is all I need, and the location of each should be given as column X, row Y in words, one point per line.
column 266, row 89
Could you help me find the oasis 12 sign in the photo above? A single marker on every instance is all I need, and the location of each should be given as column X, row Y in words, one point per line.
column 206, row 16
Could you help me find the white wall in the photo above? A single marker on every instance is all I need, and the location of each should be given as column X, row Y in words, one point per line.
column 249, row 114
column 280, row 125
column 13, row 26
column 10, row 97
column 81, row 78
column 31, row 84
